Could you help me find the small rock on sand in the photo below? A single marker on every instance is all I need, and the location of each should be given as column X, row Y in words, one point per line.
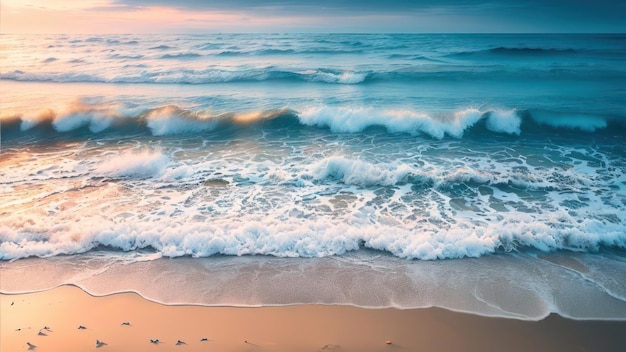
column 216, row 182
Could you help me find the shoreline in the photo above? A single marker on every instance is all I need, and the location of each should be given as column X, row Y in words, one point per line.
column 261, row 306
column 279, row 328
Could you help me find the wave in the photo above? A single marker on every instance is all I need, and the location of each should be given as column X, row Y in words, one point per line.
column 309, row 238
column 319, row 75
column 414, row 57
column 361, row 173
column 351, row 120
column 356, row 172
column 187, row 55
column 120, row 42
column 130, row 57
column 260, row 52
column 144, row 164
column 161, row 47
column 195, row 76
column 284, row 230
column 522, row 52
column 533, row 51
column 269, row 52
column 172, row 120
column 159, row 121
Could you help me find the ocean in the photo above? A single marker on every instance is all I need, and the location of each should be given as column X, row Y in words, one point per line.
column 476, row 172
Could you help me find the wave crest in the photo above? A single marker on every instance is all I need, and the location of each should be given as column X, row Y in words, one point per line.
column 360, row 173
column 132, row 164
column 172, row 120
column 351, row 120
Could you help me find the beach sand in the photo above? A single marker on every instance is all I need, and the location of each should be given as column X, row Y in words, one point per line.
column 25, row 317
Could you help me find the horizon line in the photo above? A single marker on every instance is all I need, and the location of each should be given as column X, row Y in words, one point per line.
column 300, row 32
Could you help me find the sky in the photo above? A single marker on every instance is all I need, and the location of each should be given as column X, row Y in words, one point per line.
column 407, row 16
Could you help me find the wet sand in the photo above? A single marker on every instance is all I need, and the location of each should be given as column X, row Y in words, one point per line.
column 25, row 317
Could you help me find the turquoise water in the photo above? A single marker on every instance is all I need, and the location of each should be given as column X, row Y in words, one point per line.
column 427, row 147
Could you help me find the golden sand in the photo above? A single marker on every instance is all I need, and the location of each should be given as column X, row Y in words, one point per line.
column 68, row 319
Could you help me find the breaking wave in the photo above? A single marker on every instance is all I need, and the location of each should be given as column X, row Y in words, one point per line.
column 306, row 238
column 319, row 75
column 172, row 120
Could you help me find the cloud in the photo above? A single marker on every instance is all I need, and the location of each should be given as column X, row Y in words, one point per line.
column 611, row 8
column 116, row 8
column 175, row 16
column 548, row 15
column 355, row 6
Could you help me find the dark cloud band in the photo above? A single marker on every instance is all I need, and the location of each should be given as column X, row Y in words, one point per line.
column 551, row 15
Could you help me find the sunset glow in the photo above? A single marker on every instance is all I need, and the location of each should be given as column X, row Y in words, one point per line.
column 193, row 16
column 79, row 17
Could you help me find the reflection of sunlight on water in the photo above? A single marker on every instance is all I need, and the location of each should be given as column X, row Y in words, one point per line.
column 182, row 156
column 289, row 196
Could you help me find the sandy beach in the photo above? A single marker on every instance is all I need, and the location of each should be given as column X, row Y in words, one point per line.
column 68, row 319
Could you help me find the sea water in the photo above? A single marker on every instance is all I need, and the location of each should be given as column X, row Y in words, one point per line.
column 480, row 173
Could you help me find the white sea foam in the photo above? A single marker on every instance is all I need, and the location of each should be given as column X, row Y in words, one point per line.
column 172, row 120
column 356, row 172
column 340, row 211
column 60, row 77
column 143, row 164
column 350, row 120
column 28, row 122
column 346, row 77
column 504, row 121
column 79, row 115
column 298, row 237
column 189, row 76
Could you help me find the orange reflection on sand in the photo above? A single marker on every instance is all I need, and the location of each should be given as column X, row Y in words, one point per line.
column 291, row 328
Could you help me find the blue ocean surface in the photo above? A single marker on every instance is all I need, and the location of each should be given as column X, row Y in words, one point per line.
column 441, row 160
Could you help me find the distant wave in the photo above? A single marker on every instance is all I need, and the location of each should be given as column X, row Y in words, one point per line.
column 320, row 75
column 161, row 47
column 197, row 77
column 120, row 42
column 533, row 51
column 268, row 52
column 130, row 57
column 413, row 57
column 516, row 52
column 181, row 55
column 171, row 120
column 256, row 52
